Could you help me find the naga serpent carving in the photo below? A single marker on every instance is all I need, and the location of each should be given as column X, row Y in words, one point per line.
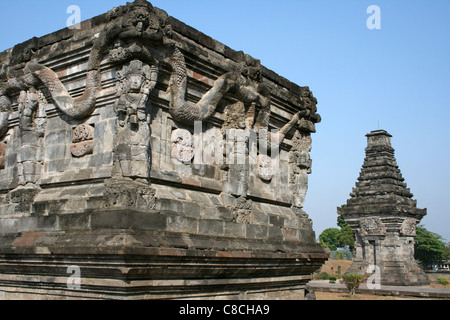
column 78, row 108
column 186, row 111
column 138, row 31
column 137, row 21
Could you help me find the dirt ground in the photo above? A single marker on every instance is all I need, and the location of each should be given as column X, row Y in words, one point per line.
column 332, row 266
column 346, row 296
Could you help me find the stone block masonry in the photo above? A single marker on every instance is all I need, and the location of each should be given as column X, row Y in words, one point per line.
column 383, row 216
column 102, row 131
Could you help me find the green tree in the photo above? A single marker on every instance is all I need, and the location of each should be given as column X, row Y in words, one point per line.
column 447, row 252
column 341, row 222
column 346, row 237
column 334, row 238
column 328, row 238
column 429, row 247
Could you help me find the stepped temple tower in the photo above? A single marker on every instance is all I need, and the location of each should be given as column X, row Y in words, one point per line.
column 383, row 216
column 142, row 159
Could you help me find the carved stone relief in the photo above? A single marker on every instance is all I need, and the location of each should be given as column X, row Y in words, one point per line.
column 372, row 226
column 127, row 28
column 32, row 111
column 135, row 82
column 265, row 169
column 129, row 195
column 132, row 153
column 182, row 145
column 408, row 227
column 5, row 111
column 300, row 167
column 32, row 118
column 82, row 140
column 23, row 198
column 243, row 211
column 2, row 155
column 186, row 111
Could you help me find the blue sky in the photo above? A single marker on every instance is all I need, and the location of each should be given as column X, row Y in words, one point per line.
column 397, row 76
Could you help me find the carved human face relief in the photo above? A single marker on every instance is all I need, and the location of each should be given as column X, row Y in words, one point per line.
column 135, row 81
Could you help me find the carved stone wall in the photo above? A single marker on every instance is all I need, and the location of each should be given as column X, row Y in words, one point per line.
column 114, row 144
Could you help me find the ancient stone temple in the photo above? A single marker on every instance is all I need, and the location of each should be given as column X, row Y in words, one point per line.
column 383, row 216
column 142, row 159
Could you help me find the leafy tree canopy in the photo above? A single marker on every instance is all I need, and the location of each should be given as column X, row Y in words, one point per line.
column 346, row 237
column 334, row 238
column 428, row 246
column 341, row 222
column 328, row 238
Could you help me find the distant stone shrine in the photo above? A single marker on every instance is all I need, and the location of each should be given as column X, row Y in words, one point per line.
column 383, row 216
column 142, row 159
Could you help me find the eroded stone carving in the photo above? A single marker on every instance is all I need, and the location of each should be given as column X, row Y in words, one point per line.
column 132, row 141
column 182, row 145
column 2, row 155
column 5, row 111
column 243, row 211
column 135, row 82
column 32, row 119
column 104, row 205
column 408, row 227
column 22, row 198
column 82, row 140
column 300, row 166
column 32, row 111
column 137, row 21
column 129, row 194
column 186, row 111
column 28, row 105
column 372, row 226
column 265, row 169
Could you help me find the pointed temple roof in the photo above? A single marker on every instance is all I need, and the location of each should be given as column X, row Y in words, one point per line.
column 381, row 189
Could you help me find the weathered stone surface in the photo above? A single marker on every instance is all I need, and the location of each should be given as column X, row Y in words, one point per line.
column 182, row 145
column 116, row 161
column 383, row 216
column 82, row 140
column 2, row 155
